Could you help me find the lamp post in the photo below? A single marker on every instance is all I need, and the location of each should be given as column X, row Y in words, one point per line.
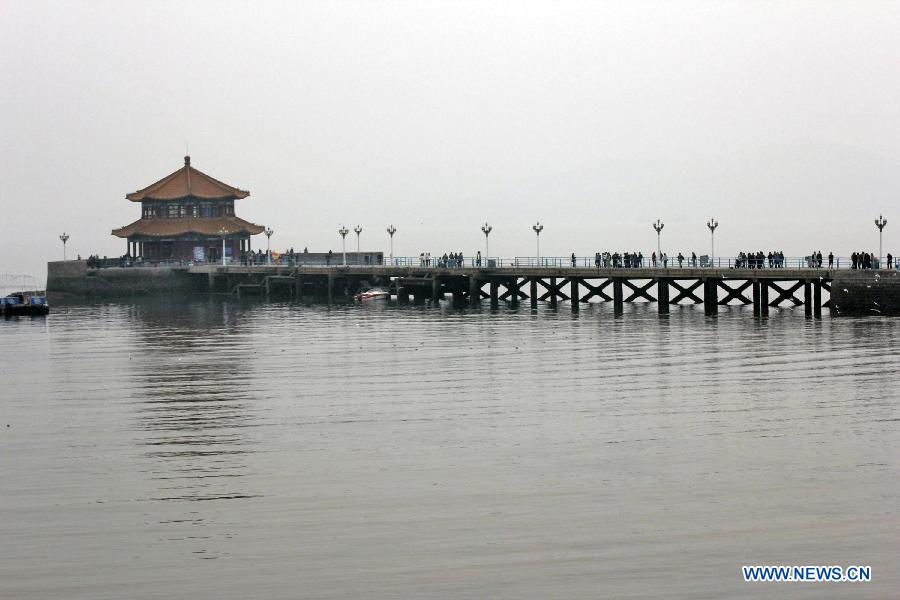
column 391, row 231
column 344, row 231
column 268, row 231
column 712, row 224
column 487, row 231
column 358, row 231
column 538, row 228
column 223, row 232
column 64, row 238
column 880, row 222
column 658, row 226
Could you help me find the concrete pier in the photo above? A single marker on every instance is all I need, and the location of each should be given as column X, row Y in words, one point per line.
column 807, row 298
column 844, row 292
column 474, row 291
column 573, row 294
column 710, row 296
column 757, row 304
column 662, row 295
column 617, row 296
column 817, row 299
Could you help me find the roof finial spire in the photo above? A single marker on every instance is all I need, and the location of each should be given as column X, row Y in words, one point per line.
column 187, row 165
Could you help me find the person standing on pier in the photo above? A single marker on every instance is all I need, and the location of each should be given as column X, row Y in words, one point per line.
column 653, row 258
column 573, row 259
column 890, row 261
column 830, row 259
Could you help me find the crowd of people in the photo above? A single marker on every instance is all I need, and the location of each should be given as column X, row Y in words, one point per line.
column 449, row 260
column 775, row 260
column 618, row 260
column 867, row 260
column 262, row 256
column 757, row 260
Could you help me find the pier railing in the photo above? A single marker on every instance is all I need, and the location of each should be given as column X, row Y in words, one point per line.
column 496, row 262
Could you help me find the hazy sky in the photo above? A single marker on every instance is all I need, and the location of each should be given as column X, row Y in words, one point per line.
column 780, row 119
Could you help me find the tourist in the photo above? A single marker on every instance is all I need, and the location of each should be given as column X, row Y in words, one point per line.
column 890, row 260
column 653, row 258
column 680, row 260
column 573, row 259
column 831, row 259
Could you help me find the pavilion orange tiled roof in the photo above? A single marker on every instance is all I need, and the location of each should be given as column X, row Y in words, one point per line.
column 185, row 182
column 173, row 227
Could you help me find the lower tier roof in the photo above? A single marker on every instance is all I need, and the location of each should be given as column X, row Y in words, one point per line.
column 202, row 226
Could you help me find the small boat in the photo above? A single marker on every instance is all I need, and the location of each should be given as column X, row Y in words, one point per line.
column 374, row 294
column 24, row 304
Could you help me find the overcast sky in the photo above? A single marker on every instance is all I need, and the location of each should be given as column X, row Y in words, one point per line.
column 780, row 119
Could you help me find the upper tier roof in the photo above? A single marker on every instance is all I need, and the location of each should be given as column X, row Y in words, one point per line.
column 187, row 182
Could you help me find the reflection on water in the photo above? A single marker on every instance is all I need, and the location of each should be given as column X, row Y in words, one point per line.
column 387, row 451
column 192, row 403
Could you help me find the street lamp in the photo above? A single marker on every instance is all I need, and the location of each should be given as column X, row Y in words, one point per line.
column 223, row 232
column 880, row 222
column 658, row 226
column 64, row 238
column 538, row 228
column 268, row 231
column 487, row 231
column 358, row 231
column 344, row 231
column 391, row 231
column 712, row 224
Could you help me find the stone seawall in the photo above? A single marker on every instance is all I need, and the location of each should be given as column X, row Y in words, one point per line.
column 866, row 293
column 72, row 279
